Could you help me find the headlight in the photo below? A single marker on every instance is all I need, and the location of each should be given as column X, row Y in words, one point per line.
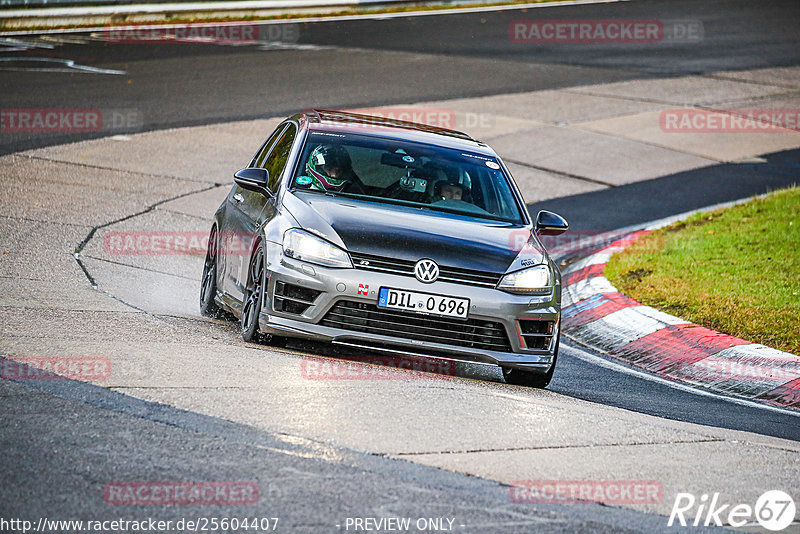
column 301, row 245
column 531, row 281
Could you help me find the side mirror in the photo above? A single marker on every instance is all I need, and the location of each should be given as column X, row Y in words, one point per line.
column 254, row 179
column 549, row 223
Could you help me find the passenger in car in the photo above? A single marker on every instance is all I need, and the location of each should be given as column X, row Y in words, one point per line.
column 450, row 189
column 453, row 194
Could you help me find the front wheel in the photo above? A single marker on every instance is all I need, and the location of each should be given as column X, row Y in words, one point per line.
column 253, row 296
column 532, row 379
column 253, row 300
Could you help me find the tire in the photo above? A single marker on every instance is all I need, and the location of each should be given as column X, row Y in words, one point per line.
column 532, row 379
column 253, row 296
column 253, row 299
column 208, row 283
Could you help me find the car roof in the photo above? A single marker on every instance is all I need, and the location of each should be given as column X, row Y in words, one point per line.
column 348, row 122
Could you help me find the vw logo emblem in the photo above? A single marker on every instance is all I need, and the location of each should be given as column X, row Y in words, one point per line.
column 426, row 271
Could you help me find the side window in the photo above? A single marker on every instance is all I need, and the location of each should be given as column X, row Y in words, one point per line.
column 276, row 161
column 258, row 160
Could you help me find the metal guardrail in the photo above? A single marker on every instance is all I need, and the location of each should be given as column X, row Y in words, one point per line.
column 24, row 15
column 66, row 13
column 65, row 3
column 288, row 4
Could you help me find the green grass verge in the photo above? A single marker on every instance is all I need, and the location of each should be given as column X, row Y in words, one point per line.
column 735, row 270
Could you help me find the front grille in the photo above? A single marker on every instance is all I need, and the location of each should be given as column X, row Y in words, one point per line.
column 368, row 318
column 293, row 299
column 406, row 268
column 537, row 334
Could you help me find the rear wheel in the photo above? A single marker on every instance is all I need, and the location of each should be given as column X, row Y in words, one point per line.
column 532, row 379
column 208, row 284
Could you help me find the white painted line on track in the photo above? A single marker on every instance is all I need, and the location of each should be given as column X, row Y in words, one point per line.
column 69, row 65
column 583, row 289
column 370, row 16
column 624, row 326
column 602, row 362
column 15, row 45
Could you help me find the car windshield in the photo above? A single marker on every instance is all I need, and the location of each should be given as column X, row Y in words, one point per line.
column 401, row 172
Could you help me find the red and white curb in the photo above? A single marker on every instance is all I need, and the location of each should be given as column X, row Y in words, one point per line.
column 595, row 314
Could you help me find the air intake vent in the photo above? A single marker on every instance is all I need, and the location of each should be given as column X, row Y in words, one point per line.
column 293, row 299
column 368, row 318
column 536, row 334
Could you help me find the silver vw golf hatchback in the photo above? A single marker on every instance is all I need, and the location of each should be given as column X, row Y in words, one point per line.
column 390, row 236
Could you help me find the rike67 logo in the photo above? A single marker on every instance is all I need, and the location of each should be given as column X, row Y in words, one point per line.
column 774, row 510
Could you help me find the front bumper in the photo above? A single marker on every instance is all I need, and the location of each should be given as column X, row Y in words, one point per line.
column 307, row 314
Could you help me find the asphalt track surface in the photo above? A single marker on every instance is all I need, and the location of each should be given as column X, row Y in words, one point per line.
column 363, row 63
column 380, row 62
column 311, row 486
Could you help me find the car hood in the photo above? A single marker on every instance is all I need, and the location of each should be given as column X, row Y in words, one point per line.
column 408, row 233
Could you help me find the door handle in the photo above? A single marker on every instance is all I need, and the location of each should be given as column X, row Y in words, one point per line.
column 238, row 197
